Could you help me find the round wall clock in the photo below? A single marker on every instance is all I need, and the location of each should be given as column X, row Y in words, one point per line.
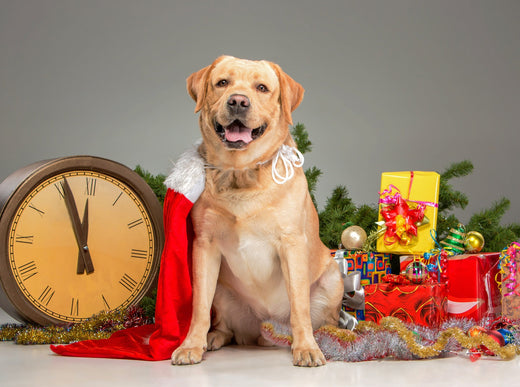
column 79, row 235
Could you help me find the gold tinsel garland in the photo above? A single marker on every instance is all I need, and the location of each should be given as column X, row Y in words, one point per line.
column 409, row 337
column 99, row 326
column 393, row 324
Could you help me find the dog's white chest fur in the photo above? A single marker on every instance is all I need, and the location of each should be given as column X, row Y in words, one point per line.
column 253, row 268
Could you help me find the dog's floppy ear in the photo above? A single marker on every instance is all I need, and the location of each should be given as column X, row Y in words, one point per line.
column 291, row 92
column 197, row 84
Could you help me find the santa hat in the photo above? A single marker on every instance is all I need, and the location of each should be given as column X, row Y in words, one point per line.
column 174, row 291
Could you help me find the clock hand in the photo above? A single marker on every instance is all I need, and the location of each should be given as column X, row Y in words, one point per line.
column 81, row 237
column 84, row 227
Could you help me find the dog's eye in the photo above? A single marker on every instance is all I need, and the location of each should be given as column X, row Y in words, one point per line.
column 222, row 83
column 262, row 88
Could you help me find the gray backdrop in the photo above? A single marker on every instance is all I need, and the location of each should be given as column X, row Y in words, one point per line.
column 390, row 85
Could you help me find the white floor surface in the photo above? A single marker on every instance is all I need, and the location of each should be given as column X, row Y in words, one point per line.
column 244, row 366
column 36, row 365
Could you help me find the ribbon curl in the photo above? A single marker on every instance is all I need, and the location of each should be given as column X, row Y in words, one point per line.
column 508, row 258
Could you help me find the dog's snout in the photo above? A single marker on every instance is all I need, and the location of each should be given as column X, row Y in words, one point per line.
column 238, row 103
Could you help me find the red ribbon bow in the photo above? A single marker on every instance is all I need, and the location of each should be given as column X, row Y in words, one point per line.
column 401, row 221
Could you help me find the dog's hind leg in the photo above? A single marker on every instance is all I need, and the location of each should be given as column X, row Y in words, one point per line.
column 326, row 297
column 233, row 319
column 218, row 338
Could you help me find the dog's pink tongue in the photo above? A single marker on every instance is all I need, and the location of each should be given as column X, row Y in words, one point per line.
column 237, row 132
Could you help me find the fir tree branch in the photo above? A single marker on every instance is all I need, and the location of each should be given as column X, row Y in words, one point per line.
column 460, row 169
column 490, row 218
column 487, row 222
column 301, row 137
column 156, row 182
column 312, row 174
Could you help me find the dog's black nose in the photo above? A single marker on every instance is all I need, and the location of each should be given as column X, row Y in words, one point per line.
column 238, row 103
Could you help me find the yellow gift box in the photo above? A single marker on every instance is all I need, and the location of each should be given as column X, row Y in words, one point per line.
column 408, row 204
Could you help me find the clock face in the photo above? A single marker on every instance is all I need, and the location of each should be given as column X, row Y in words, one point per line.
column 45, row 255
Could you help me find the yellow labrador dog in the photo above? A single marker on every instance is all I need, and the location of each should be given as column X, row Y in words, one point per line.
column 257, row 254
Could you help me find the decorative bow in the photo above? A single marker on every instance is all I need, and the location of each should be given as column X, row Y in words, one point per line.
column 400, row 220
column 354, row 294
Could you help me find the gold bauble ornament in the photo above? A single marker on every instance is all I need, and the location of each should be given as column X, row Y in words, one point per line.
column 353, row 238
column 474, row 242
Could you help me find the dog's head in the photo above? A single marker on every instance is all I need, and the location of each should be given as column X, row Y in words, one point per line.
column 245, row 109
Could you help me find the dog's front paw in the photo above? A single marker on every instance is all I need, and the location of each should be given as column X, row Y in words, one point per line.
column 308, row 357
column 184, row 356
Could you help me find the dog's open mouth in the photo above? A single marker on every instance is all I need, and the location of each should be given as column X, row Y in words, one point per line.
column 237, row 135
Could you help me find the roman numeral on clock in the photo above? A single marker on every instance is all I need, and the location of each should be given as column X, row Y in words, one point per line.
column 117, row 198
column 28, row 270
column 59, row 187
column 26, row 239
column 105, row 303
column 128, row 282
column 135, row 223
column 140, row 254
column 46, row 295
column 37, row 210
column 74, row 307
column 91, row 186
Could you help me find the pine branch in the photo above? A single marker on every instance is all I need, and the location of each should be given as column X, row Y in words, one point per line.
column 301, row 137
column 460, row 169
column 487, row 222
column 366, row 217
column 338, row 210
column 156, row 182
column 489, row 218
column 448, row 197
column 312, row 174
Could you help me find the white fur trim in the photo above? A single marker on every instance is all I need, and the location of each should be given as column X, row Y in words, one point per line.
column 188, row 175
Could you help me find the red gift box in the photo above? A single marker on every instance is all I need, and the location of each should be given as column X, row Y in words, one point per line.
column 424, row 304
column 473, row 292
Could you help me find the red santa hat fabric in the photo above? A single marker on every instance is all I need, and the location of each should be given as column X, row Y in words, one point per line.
column 174, row 292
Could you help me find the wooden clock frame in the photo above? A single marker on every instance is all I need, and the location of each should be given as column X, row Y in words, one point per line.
column 15, row 188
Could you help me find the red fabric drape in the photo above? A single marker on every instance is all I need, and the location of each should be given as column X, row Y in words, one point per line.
column 174, row 298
